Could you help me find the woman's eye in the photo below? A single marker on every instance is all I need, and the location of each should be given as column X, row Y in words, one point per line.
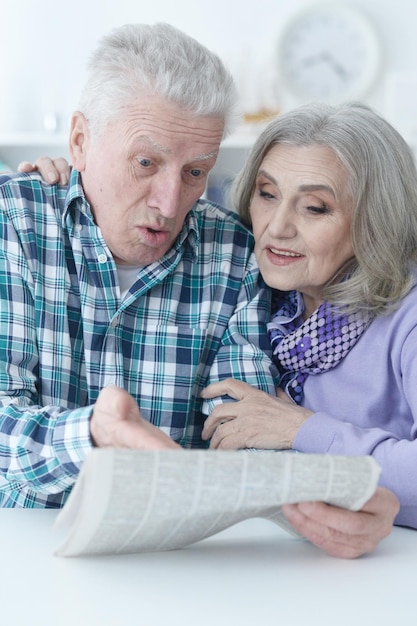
column 266, row 194
column 319, row 210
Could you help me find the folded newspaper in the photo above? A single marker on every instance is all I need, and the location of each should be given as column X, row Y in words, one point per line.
column 127, row 501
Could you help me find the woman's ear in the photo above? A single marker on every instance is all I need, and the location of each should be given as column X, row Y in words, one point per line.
column 78, row 141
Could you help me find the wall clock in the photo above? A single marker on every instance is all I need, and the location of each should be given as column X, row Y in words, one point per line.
column 329, row 52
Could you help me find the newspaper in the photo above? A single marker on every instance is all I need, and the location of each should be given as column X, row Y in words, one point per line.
column 127, row 501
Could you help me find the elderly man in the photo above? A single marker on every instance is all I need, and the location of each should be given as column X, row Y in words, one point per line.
column 123, row 295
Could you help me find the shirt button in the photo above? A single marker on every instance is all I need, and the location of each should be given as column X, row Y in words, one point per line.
column 78, row 228
column 102, row 258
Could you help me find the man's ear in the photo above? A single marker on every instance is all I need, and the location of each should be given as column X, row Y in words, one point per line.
column 78, row 141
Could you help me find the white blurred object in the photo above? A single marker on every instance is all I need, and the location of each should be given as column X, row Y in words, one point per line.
column 401, row 100
column 255, row 74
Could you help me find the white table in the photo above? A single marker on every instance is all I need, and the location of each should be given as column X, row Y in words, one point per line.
column 251, row 574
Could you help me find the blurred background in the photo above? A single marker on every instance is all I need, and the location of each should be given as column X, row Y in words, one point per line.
column 44, row 47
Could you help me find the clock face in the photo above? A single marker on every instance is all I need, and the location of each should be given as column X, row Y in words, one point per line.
column 329, row 53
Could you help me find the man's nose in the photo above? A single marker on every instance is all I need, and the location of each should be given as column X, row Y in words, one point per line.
column 166, row 196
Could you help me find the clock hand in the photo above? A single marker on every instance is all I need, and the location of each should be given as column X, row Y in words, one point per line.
column 339, row 69
column 327, row 58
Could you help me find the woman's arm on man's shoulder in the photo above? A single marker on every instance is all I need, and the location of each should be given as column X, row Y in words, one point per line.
column 52, row 170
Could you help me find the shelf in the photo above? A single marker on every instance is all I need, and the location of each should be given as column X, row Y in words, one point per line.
column 242, row 138
column 33, row 139
column 28, row 146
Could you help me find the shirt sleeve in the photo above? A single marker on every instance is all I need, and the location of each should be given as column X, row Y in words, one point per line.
column 41, row 447
column 245, row 352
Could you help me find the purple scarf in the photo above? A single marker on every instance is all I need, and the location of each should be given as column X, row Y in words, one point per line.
column 312, row 346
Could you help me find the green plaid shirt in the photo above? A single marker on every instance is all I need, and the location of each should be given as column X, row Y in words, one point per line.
column 196, row 316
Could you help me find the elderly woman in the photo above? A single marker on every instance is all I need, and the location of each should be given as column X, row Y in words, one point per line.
column 331, row 195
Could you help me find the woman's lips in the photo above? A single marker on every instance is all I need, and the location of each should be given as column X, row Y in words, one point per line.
column 278, row 256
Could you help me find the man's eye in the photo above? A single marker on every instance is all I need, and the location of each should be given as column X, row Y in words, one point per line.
column 145, row 162
column 196, row 173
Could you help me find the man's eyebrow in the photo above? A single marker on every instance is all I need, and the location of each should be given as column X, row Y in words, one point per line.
column 309, row 187
column 205, row 157
column 152, row 142
column 157, row 146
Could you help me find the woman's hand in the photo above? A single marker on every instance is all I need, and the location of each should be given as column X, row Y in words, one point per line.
column 256, row 420
column 52, row 170
column 341, row 533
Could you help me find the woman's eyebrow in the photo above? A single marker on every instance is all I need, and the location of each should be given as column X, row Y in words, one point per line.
column 319, row 187
column 308, row 187
column 268, row 176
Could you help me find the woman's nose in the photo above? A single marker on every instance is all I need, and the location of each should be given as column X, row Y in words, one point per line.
column 282, row 223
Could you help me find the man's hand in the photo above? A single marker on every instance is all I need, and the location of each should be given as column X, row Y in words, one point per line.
column 52, row 170
column 341, row 533
column 116, row 422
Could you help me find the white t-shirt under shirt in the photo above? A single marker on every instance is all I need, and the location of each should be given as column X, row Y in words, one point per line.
column 127, row 276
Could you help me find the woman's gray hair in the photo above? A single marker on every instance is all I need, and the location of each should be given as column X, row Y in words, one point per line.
column 382, row 180
column 136, row 59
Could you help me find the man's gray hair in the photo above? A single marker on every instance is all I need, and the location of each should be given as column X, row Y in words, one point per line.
column 136, row 59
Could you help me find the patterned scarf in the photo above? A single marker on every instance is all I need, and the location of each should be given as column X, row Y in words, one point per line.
column 312, row 346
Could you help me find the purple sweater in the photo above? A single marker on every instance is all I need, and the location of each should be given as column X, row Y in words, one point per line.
column 368, row 404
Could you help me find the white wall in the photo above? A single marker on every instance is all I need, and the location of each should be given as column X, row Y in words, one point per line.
column 44, row 46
